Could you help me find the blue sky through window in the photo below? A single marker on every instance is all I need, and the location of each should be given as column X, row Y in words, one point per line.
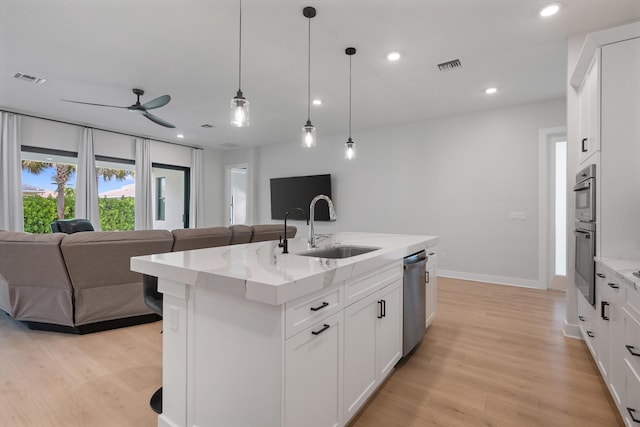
column 45, row 181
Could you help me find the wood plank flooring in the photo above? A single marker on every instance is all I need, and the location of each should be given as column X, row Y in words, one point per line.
column 494, row 356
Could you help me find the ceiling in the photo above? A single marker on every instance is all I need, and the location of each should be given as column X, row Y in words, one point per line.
column 97, row 51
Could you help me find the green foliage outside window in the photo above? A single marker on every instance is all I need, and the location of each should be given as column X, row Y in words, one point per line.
column 39, row 212
column 116, row 214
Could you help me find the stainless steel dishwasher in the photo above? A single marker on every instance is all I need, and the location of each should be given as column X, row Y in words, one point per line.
column 414, row 309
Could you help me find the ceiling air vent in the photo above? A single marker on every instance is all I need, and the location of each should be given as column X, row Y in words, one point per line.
column 450, row 65
column 207, row 126
column 30, row 79
column 229, row 145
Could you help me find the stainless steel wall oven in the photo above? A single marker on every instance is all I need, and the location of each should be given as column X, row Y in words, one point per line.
column 585, row 232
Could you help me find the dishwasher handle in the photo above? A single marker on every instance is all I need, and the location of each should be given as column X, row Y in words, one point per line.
column 416, row 260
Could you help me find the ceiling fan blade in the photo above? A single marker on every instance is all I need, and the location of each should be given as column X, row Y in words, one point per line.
column 158, row 102
column 157, row 120
column 90, row 103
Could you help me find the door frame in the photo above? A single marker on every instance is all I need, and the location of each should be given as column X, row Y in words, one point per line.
column 227, row 191
column 546, row 246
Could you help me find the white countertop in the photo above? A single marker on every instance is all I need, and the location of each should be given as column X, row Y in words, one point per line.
column 261, row 272
column 623, row 269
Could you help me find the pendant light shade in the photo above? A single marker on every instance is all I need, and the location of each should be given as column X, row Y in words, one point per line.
column 350, row 146
column 308, row 130
column 239, row 104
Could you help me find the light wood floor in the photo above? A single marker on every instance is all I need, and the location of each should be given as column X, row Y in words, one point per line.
column 494, row 356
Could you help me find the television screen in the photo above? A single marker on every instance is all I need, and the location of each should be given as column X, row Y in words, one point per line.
column 297, row 192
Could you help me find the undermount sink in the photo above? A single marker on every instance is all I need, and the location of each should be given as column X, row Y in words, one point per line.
column 338, row 252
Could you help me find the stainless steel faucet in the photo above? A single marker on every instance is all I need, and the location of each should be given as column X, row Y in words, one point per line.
column 312, row 207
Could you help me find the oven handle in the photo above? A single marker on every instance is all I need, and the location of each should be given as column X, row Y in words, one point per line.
column 584, row 234
column 581, row 186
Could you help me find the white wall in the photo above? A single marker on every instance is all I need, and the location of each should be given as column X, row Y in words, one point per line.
column 60, row 136
column 213, row 188
column 456, row 177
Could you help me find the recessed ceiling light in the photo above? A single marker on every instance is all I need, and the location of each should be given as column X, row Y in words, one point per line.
column 180, row 135
column 490, row 91
column 393, row 56
column 317, row 102
column 552, row 9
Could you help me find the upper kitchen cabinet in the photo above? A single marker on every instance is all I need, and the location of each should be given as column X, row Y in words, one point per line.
column 589, row 99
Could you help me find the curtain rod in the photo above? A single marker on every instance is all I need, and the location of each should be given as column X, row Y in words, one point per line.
column 96, row 128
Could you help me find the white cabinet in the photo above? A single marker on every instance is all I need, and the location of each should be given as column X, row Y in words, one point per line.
column 333, row 366
column 373, row 344
column 431, row 283
column 589, row 105
column 610, row 331
column 313, row 375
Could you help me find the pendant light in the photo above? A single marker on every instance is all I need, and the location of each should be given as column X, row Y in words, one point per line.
column 308, row 130
column 350, row 146
column 239, row 104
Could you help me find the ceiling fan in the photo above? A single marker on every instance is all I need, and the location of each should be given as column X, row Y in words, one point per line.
column 158, row 102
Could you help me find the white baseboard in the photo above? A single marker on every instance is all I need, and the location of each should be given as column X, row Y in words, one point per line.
column 570, row 330
column 485, row 278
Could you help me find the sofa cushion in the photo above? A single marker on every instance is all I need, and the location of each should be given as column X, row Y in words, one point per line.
column 187, row 239
column 99, row 267
column 265, row 232
column 240, row 234
column 34, row 284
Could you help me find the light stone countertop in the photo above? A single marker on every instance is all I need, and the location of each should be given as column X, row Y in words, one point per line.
column 623, row 270
column 261, row 272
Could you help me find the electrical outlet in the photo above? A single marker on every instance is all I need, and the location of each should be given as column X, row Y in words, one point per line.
column 517, row 216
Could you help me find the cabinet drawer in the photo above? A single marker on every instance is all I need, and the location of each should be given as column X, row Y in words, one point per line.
column 302, row 313
column 631, row 340
column 631, row 406
column 366, row 284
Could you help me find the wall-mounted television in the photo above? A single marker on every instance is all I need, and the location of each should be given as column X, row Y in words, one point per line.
column 297, row 192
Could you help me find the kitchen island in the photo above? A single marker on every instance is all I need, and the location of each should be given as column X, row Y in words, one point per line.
column 255, row 337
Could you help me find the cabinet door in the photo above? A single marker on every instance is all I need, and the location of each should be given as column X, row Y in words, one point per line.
column 613, row 311
column 313, row 375
column 631, row 408
column 603, row 330
column 431, row 294
column 373, row 344
column 389, row 326
column 360, row 372
column 589, row 104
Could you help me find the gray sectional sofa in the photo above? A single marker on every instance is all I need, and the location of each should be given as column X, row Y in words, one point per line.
column 82, row 282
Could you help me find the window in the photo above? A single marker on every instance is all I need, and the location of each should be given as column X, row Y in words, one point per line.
column 116, row 193
column 160, row 197
column 48, row 187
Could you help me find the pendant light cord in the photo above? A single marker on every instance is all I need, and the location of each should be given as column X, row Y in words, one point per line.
column 350, row 96
column 240, row 50
column 309, row 75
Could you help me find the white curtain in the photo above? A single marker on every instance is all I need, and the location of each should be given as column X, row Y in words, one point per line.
column 86, row 182
column 196, row 197
column 11, row 214
column 143, row 200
